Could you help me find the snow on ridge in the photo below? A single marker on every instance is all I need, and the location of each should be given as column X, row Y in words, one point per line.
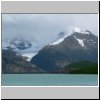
column 17, row 41
column 29, row 55
column 78, row 30
column 80, row 41
column 86, row 32
column 59, row 40
column 29, row 52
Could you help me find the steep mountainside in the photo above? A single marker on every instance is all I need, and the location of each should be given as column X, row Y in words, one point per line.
column 13, row 63
column 77, row 47
column 24, row 47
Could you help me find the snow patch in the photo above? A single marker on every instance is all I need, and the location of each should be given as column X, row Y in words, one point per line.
column 86, row 32
column 80, row 41
column 59, row 40
column 78, row 30
column 29, row 55
column 17, row 41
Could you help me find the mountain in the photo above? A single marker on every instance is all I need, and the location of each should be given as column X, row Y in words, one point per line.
column 20, row 44
column 13, row 63
column 81, row 45
column 24, row 47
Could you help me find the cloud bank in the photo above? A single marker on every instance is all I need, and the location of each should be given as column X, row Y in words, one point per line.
column 46, row 26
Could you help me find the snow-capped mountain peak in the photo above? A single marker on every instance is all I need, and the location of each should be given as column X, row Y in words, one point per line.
column 79, row 30
column 68, row 49
column 62, row 35
column 20, row 44
column 30, row 48
column 59, row 39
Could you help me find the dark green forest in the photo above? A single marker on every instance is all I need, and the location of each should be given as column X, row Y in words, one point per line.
column 84, row 67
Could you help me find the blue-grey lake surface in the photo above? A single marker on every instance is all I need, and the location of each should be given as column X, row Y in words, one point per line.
column 49, row 80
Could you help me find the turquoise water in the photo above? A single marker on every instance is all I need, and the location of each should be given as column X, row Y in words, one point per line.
column 49, row 80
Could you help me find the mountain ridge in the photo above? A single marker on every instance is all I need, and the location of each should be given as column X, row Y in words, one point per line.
column 74, row 48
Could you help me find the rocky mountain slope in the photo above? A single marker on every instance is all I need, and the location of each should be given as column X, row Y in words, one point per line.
column 13, row 63
column 81, row 45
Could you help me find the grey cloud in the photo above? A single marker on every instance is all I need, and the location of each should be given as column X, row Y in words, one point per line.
column 46, row 26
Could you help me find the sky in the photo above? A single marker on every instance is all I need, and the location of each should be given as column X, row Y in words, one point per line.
column 46, row 26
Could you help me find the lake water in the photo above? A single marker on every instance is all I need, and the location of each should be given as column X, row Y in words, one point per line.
column 49, row 80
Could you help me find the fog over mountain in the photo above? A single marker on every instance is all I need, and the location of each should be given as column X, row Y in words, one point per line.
column 49, row 43
column 45, row 27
